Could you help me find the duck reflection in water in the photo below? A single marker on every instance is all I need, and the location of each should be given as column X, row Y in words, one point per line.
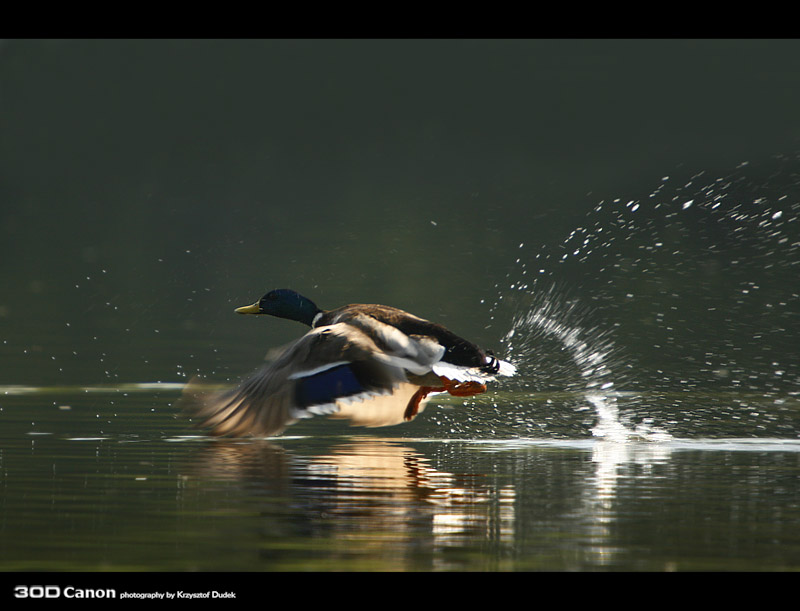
column 364, row 485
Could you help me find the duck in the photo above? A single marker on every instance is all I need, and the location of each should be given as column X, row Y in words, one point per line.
column 373, row 364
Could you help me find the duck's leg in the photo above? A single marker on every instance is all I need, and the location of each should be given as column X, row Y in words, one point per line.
column 416, row 399
column 463, row 389
column 457, row 389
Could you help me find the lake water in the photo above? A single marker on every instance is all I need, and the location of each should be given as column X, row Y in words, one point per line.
column 632, row 253
column 116, row 482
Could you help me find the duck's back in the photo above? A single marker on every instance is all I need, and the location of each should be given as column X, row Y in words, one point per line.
column 457, row 350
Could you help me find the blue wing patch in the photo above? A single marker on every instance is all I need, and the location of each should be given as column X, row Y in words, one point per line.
column 327, row 386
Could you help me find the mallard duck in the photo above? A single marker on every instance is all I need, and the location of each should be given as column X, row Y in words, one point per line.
column 373, row 364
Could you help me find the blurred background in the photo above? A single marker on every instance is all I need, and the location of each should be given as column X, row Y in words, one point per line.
column 148, row 187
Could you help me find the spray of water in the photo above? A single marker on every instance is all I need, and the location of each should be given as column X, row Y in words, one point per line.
column 697, row 281
column 557, row 347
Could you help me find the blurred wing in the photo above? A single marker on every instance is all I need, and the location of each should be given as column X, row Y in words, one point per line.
column 335, row 370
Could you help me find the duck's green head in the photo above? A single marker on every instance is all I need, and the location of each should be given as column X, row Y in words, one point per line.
column 284, row 303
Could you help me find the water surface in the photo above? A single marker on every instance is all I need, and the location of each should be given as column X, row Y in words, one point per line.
column 117, row 482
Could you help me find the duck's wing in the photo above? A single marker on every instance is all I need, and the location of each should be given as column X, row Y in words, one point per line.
column 428, row 346
column 450, row 356
column 337, row 370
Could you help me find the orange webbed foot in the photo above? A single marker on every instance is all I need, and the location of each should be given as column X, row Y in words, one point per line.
column 416, row 399
column 463, row 389
column 457, row 389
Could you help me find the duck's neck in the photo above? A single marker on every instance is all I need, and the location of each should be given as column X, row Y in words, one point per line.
column 305, row 311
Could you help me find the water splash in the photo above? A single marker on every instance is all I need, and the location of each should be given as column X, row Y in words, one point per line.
column 551, row 321
column 551, row 314
column 699, row 277
column 697, row 280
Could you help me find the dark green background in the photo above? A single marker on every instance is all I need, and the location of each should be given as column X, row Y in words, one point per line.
column 149, row 186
